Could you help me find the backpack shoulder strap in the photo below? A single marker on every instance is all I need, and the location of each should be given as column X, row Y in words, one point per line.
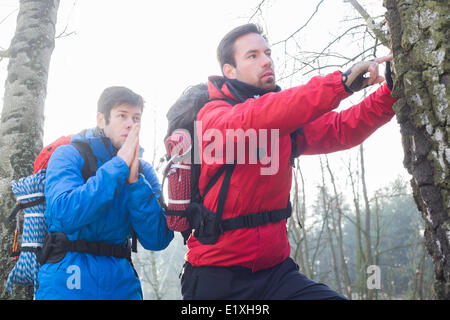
column 90, row 160
column 229, row 168
column 294, row 150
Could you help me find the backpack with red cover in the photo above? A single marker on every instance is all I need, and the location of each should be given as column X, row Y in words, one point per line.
column 42, row 159
column 181, row 172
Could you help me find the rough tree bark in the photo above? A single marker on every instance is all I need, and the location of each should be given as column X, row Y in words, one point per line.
column 22, row 119
column 419, row 40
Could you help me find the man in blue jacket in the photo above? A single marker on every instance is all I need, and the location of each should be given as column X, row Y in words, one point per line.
column 90, row 219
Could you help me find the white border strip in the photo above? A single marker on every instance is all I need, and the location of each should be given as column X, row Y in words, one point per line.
column 34, row 215
column 32, row 245
column 179, row 201
column 28, row 196
column 181, row 166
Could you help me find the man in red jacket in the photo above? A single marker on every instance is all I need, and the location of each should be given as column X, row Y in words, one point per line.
column 248, row 258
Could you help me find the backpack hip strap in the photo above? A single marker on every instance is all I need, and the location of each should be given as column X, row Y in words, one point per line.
column 257, row 219
column 57, row 244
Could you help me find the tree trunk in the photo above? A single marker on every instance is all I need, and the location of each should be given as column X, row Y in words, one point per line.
column 367, row 220
column 360, row 257
column 419, row 40
column 22, row 119
column 339, row 236
column 377, row 232
column 328, row 214
column 294, row 228
column 155, row 278
column 302, row 220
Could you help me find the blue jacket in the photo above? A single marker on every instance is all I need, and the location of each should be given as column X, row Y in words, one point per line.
column 104, row 208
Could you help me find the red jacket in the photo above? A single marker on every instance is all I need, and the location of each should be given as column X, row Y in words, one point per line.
column 309, row 107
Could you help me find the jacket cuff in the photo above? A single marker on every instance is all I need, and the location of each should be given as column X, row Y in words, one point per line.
column 339, row 85
column 140, row 192
column 385, row 94
column 385, row 89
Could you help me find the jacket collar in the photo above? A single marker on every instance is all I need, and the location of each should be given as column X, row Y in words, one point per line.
column 224, row 88
column 101, row 145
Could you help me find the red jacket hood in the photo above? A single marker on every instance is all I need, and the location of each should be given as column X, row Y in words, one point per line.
column 218, row 88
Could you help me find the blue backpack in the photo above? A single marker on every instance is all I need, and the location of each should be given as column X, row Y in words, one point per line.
column 30, row 199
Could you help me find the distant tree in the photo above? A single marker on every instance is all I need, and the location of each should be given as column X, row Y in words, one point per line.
column 22, row 118
column 159, row 271
column 400, row 250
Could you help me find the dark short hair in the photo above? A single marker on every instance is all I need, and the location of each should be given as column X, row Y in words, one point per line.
column 115, row 96
column 225, row 50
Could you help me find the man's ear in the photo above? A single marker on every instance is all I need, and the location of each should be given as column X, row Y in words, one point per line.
column 101, row 123
column 229, row 71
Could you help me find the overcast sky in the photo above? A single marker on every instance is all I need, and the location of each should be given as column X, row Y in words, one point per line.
column 158, row 48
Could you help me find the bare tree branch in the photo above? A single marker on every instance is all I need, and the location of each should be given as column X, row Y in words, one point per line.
column 8, row 15
column 64, row 33
column 4, row 54
column 375, row 27
column 258, row 9
column 319, row 68
column 303, row 26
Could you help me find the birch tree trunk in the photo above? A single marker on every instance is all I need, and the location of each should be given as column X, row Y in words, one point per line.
column 419, row 40
column 22, row 119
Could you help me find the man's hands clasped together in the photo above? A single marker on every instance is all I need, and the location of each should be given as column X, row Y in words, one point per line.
column 129, row 152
